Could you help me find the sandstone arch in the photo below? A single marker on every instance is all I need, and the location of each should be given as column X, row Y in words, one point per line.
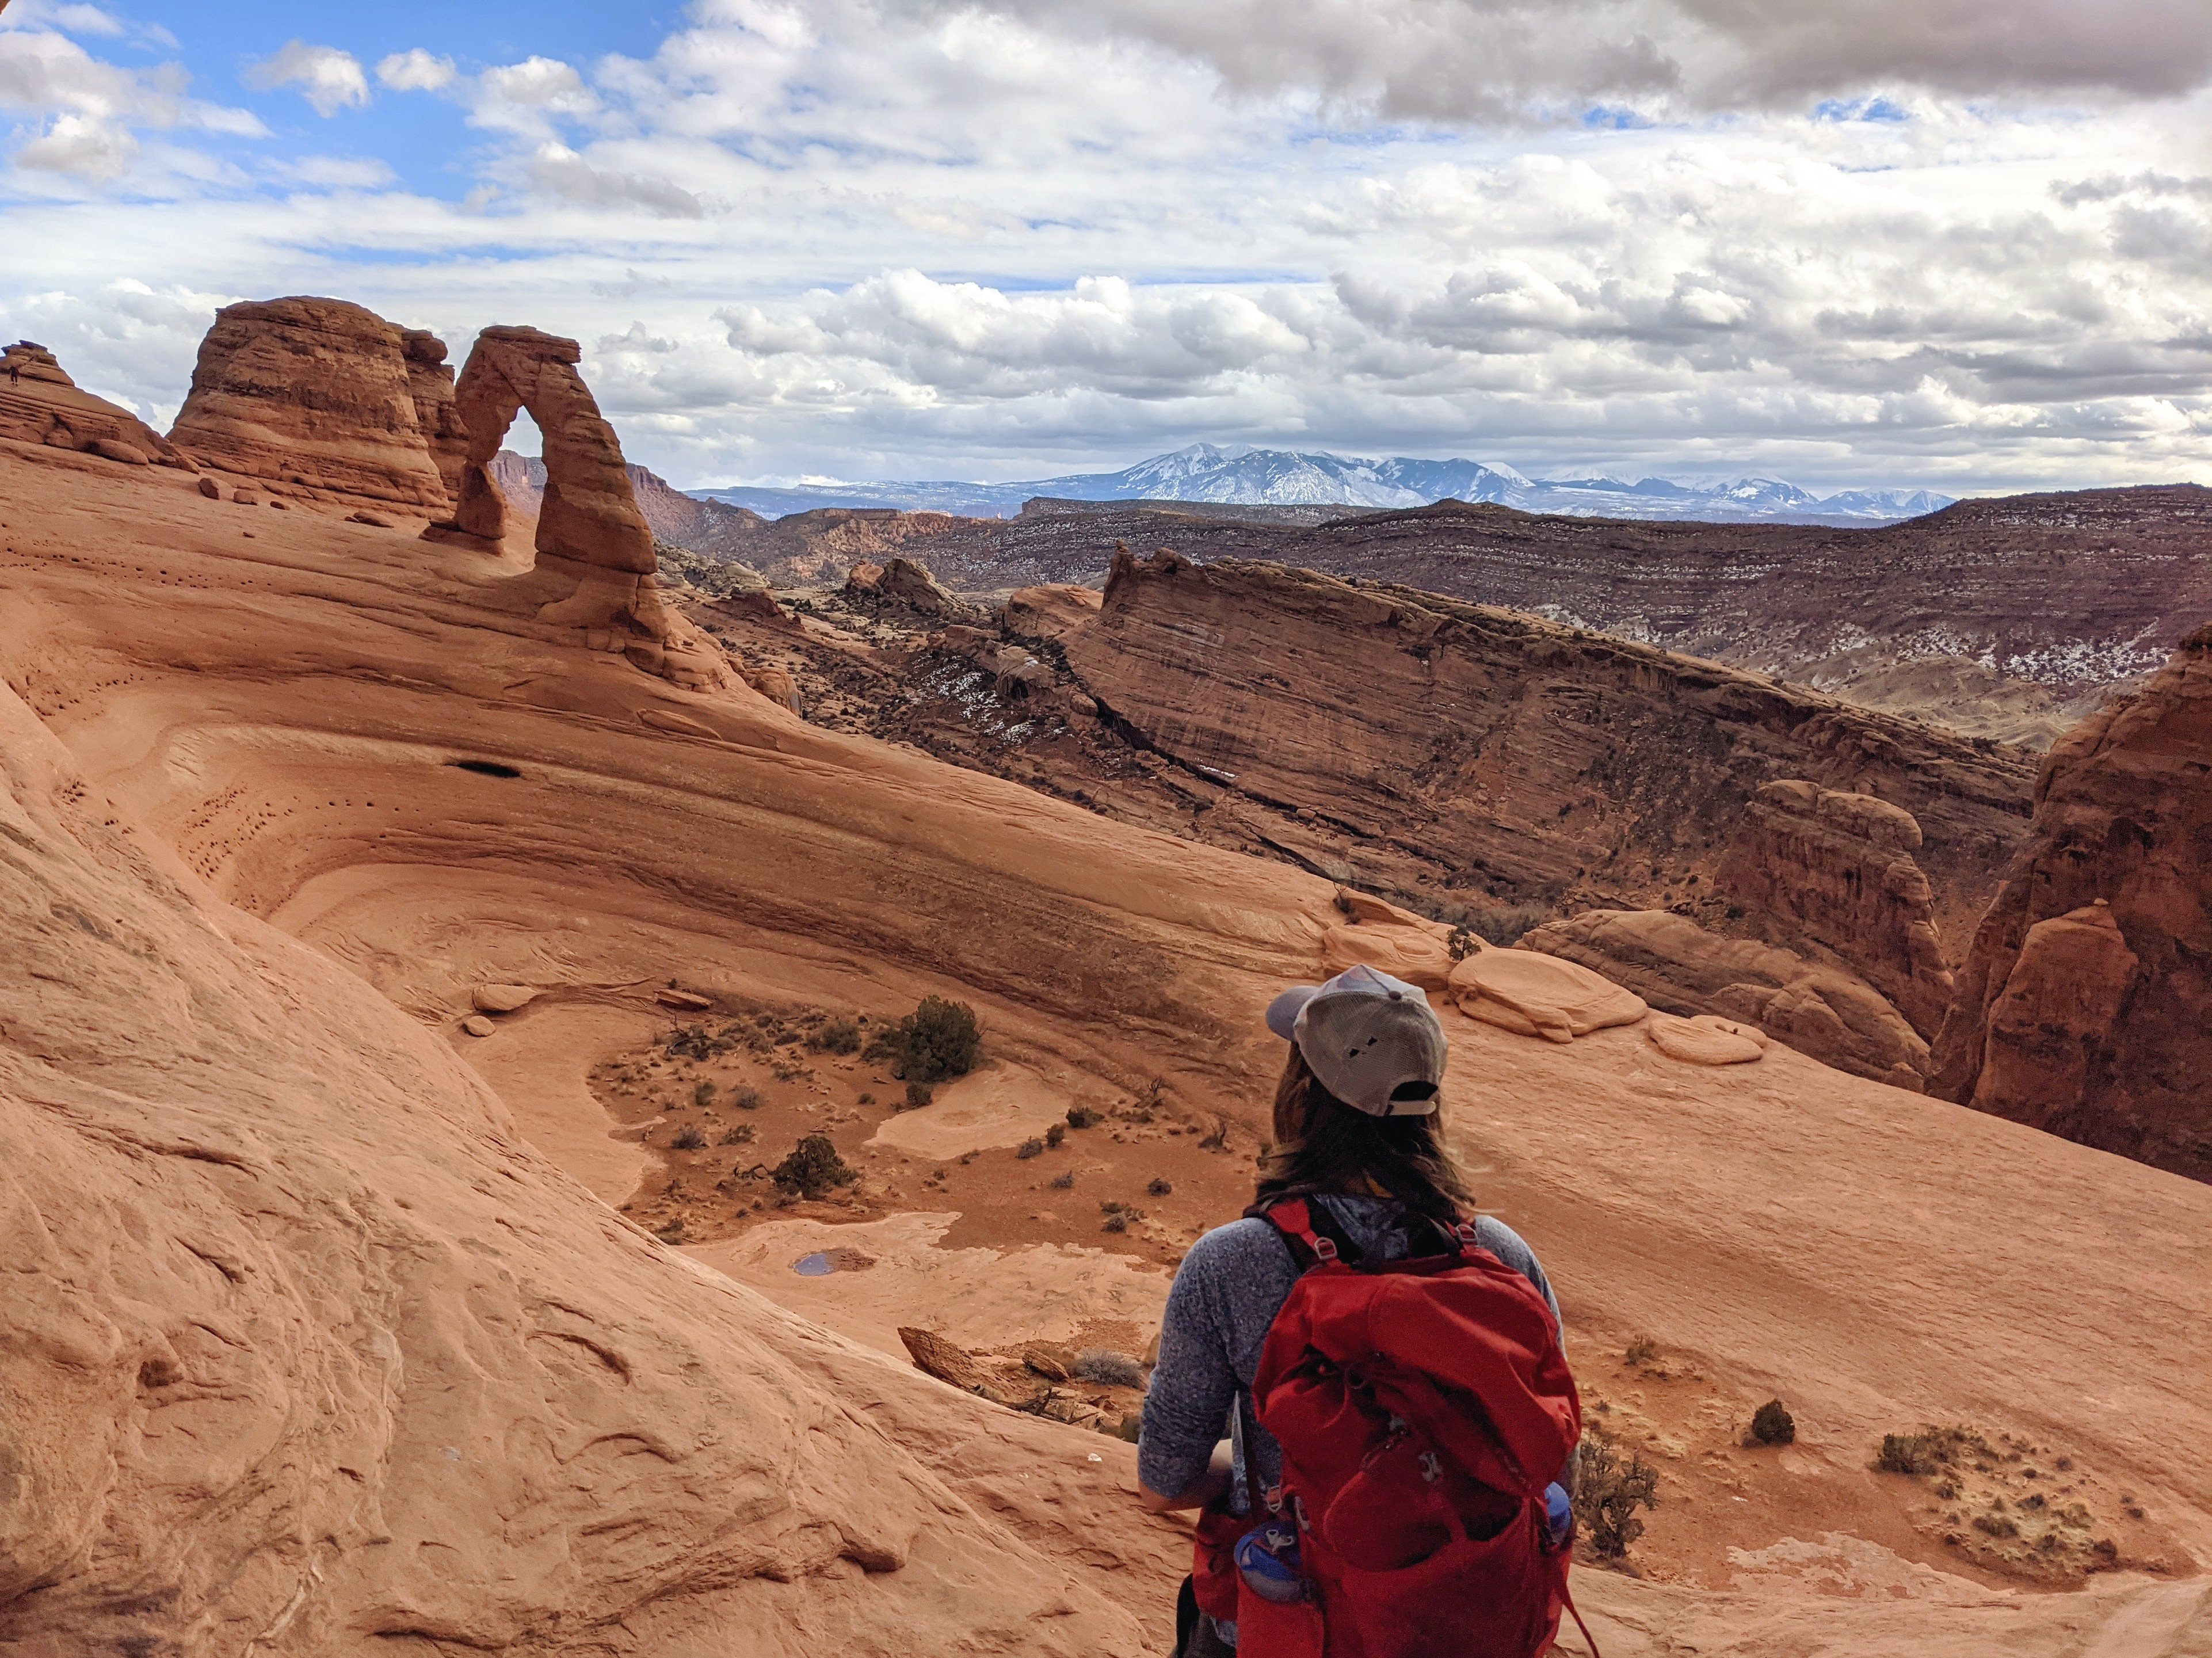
column 590, row 515
column 589, row 528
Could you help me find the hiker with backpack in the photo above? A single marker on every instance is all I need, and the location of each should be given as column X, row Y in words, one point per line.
column 1401, row 1420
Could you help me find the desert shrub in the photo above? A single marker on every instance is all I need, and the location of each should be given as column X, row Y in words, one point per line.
column 1160, row 1186
column 838, row 1036
column 919, row 1095
column 812, row 1168
column 937, row 1039
column 745, row 1098
column 1462, row 944
column 1641, row 1349
column 1218, row 1139
column 1607, row 1494
column 1772, row 1424
column 704, row 1094
column 1056, row 1135
column 1065, row 1181
column 687, row 1138
column 1117, row 1223
column 1907, row 1453
column 1031, row 1147
column 868, row 1099
column 1504, row 923
column 1109, row 1369
column 1082, row 1116
column 693, row 1042
column 742, row 1134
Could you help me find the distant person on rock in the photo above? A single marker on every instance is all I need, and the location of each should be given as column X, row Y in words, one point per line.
column 1385, row 1370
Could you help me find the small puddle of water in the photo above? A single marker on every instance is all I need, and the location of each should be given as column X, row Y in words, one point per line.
column 818, row 1265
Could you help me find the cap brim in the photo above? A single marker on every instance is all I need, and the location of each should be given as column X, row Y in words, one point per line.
column 1283, row 1012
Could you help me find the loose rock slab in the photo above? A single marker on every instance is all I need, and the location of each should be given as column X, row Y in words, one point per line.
column 1547, row 996
column 502, row 998
column 1706, row 1039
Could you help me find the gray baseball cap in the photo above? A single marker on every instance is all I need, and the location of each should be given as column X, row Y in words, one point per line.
column 1371, row 1038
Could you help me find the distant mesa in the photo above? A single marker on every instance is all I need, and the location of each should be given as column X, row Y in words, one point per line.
column 317, row 393
column 40, row 403
column 2084, row 1006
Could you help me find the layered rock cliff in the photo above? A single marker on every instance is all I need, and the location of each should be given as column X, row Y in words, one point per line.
column 1464, row 750
column 313, row 393
column 2084, row 1006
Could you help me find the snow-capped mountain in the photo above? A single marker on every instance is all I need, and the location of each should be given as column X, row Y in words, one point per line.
column 1283, row 478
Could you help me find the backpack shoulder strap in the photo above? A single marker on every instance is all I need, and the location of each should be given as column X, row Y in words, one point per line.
column 1311, row 1232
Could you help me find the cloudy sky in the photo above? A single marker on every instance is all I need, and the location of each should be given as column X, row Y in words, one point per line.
column 1965, row 243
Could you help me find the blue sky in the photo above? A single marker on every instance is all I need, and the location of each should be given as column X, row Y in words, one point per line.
column 1965, row 243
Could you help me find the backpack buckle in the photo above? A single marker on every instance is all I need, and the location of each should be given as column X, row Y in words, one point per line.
column 1324, row 1249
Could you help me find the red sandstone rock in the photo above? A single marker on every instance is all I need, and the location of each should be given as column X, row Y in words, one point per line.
column 1676, row 965
column 1837, row 868
column 437, row 409
column 590, row 516
column 40, row 403
column 1049, row 614
column 2085, row 1006
column 1489, row 757
column 315, row 392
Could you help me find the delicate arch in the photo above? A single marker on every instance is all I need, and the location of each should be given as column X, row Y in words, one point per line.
column 590, row 514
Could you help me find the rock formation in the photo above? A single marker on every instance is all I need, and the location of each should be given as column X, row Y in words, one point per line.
column 437, row 410
column 1539, row 995
column 902, row 581
column 1838, row 869
column 1411, row 743
column 40, row 403
column 2085, row 1006
column 313, row 393
column 590, row 533
column 1048, row 615
column 1820, row 1010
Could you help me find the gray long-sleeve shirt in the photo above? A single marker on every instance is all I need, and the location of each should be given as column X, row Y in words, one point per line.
column 1225, row 1296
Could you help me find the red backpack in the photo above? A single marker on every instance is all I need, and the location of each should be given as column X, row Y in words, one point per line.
column 1423, row 1406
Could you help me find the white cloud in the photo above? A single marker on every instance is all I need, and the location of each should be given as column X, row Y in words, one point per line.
column 901, row 238
column 85, row 147
column 329, row 79
column 562, row 171
column 415, row 70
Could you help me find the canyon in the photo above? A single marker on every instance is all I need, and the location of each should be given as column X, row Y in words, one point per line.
column 341, row 1327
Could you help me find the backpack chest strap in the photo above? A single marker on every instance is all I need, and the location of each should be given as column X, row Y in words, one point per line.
column 1315, row 1238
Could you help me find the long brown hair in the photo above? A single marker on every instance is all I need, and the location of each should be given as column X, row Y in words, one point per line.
column 1322, row 1144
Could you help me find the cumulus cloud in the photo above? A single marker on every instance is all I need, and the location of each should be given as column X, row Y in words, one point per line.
column 84, row 147
column 328, row 78
column 902, row 238
column 415, row 70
